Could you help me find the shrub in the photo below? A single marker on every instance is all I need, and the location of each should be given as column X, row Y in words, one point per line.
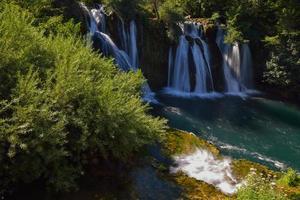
column 125, row 8
column 258, row 188
column 289, row 178
column 60, row 102
column 283, row 65
column 171, row 12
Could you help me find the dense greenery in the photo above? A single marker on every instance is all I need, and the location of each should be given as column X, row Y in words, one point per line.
column 259, row 188
column 62, row 104
column 265, row 187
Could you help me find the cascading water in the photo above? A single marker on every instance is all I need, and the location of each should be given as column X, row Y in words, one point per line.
column 125, row 58
column 180, row 67
column 203, row 165
column 102, row 41
column 237, row 65
column 181, row 74
column 128, row 37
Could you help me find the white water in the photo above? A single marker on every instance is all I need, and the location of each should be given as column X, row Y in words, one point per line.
column 170, row 67
column 180, row 79
column 257, row 155
column 128, row 37
column 126, row 59
column 203, row 166
column 133, row 53
column 200, row 69
column 237, row 65
column 180, row 75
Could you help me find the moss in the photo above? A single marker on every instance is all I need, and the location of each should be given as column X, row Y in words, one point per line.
column 241, row 169
column 179, row 142
column 194, row 189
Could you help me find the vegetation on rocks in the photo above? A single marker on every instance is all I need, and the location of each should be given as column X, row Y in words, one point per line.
column 178, row 142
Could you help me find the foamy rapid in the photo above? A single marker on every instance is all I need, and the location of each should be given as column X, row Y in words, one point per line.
column 257, row 155
column 202, row 165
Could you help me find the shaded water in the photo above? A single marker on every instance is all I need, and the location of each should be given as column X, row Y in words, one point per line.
column 143, row 182
column 256, row 129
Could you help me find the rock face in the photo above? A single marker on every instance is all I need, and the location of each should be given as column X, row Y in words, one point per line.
column 154, row 48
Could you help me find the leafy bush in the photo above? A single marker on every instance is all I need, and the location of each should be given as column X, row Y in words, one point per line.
column 61, row 102
column 276, row 74
column 171, row 12
column 289, row 178
column 258, row 188
column 126, row 8
column 283, row 65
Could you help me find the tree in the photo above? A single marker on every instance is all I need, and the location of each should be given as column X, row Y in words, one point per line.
column 62, row 105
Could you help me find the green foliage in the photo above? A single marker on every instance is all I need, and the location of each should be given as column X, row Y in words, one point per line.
column 290, row 178
column 276, row 74
column 258, row 188
column 215, row 17
column 283, row 66
column 289, row 15
column 60, row 103
column 125, row 8
column 171, row 12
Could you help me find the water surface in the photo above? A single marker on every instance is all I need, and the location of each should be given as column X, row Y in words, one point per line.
column 256, row 129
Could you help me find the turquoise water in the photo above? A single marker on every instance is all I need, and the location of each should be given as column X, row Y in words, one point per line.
column 256, row 129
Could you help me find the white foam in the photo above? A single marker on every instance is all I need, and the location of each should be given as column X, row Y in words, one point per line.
column 148, row 95
column 174, row 110
column 202, row 165
column 257, row 155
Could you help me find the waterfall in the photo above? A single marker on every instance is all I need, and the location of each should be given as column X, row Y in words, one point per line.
column 128, row 37
column 237, row 64
column 126, row 56
column 246, row 68
column 200, row 86
column 103, row 42
column 181, row 75
column 180, row 67
column 170, row 62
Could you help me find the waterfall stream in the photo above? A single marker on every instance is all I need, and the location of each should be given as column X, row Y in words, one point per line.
column 190, row 65
column 182, row 76
column 126, row 56
column 237, row 64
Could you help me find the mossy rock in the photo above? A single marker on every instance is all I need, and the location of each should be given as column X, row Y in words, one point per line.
column 179, row 142
column 195, row 189
column 241, row 169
